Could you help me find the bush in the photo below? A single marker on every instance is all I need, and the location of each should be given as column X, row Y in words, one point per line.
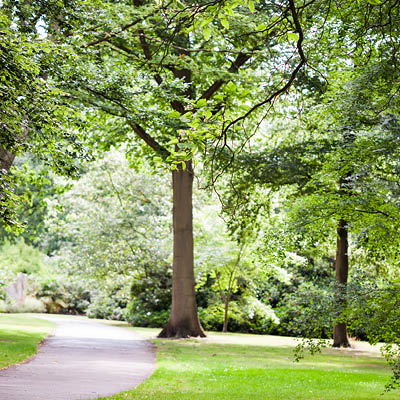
column 64, row 298
column 6, row 277
column 107, row 307
column 151, row 298
column 245, row 316
column 150, row 319
column 21, row 257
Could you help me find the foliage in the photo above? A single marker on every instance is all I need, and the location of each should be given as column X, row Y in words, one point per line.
column 151, row 297
column 21, row 257
column 34, row 185
column 139, row 64
column 33, row 117
column 6, row 276
column 371, row 314
column 112, row 227
column 64, row 297
column 245, row 315
column 106, row 307
column 296, row 284
column 109, row 298
column 113, row 221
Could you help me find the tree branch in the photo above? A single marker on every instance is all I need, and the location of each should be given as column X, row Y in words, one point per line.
column 148, row 139
column 108, row 35
column 158, row 148
column 240, row 60
column 303, row 61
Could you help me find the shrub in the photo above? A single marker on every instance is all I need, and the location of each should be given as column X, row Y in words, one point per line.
column 151, row 319
column 151, row 298
column 107, row 307
column 64, row 298
column 246, row 316
column 21, row 257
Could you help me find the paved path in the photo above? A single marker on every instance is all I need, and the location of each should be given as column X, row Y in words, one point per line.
column 83, row 360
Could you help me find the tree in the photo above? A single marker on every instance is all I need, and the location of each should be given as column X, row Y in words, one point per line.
column 157, row 70
column 346, row 175
column 111, row 222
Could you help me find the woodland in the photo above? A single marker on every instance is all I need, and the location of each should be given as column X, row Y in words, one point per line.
column 223, row 165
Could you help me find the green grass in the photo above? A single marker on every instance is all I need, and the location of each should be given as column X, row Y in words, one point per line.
column 196, row 370
column 20, row 336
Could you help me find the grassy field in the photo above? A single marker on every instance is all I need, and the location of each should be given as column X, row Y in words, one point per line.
column 20, row 336
column 220, row 368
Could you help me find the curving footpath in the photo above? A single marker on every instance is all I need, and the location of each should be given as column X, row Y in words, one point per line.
column 82, row 360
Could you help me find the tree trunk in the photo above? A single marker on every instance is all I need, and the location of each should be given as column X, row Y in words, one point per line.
column 340, row 338
column 184, row 320
column 225, row 327
column 6, row 161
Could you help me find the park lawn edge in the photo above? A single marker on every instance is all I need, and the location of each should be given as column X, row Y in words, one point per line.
column 32, row 338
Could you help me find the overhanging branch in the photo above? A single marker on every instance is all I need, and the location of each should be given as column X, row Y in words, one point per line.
column 161, row 150
column 303, row 61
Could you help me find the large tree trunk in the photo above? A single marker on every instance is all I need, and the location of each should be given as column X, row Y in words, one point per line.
column 340, row 338
column 184, row 320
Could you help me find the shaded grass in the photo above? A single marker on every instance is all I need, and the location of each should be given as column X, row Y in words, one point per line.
column 20, row 336
column 195, row 370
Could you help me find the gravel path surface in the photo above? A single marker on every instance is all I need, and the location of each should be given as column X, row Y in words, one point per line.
column 83, row 360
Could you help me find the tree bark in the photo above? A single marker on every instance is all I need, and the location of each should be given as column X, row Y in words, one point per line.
column 225, row 327
column 6, row 161
column 340, row 337
column 184, row 320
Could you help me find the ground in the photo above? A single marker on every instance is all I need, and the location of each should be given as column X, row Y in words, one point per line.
column 235, row 366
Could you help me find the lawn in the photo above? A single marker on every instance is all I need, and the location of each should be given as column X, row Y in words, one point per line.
column 229, row 366
column 20, row 336
column 209, row 369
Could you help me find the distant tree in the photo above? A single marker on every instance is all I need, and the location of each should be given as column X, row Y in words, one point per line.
column 111, row 222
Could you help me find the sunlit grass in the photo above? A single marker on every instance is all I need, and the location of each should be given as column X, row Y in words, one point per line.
column 20, row 336
column 196, row 369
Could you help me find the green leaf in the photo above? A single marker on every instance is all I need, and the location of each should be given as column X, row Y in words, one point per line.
column 207, row 33
column 230, row 87
column 173, row 141
column 187, row 115
column 206, row 21
column 201, row 103
column 251, row 6
column 174, row 114
column 229, row 11
column 374, row 2
column 293, row 36
column 224, row 22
